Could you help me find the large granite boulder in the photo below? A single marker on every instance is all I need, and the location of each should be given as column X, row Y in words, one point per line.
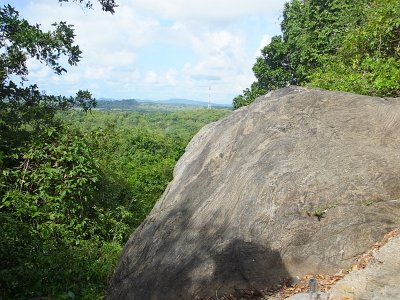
column 301, row 181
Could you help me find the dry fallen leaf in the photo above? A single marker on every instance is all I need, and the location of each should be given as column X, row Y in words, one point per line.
column 325, row 282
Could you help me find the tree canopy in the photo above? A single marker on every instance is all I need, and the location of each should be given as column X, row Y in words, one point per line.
column 49, row 179
column 23, row 108
column 336, row 44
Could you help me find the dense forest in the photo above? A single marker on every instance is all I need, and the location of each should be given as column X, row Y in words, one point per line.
column 75, row 182
column 127, row 104
column 73, row 194
column 341, row 45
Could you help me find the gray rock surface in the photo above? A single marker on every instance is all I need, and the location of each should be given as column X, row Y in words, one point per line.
column 245, row 207
column 308, row 296
column 380, row 280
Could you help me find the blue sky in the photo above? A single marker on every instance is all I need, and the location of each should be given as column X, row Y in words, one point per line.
column 159, row 49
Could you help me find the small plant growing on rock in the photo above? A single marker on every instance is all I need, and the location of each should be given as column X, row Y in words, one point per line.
column 367, row 202
column 318, row 212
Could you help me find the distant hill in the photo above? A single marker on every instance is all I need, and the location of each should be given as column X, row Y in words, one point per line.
column 138, row 104
column 125, row 104
column 178, row 101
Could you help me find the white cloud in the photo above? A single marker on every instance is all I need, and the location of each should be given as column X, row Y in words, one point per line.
column 265, row 40
column 218, row 33
column 97, row 73
column 151, row 77
column 36, row 69
column 219, row 54
column 223, row 63
column 170, row 76
column 71, row 78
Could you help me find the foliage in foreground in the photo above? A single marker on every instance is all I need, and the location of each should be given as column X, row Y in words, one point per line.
column 55, row 207
column 75, row 193
column 47, row 175
column 341, row 45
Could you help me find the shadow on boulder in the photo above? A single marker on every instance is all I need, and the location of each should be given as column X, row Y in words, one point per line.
column 232, row 267
column 247, row 267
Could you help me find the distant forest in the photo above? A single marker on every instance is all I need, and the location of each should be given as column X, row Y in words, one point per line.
column 124, row 104
column 148, row 105
column 341, row 45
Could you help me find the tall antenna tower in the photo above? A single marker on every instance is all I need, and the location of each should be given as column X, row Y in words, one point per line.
column 209, row 98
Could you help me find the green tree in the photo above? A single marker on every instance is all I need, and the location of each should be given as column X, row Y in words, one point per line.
column 368, row 60
column 249, row 95
column 139, row 150
column 273, row 69
column 336, row 44
column 24, row 110
column 313, row 29
column 52, row 215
